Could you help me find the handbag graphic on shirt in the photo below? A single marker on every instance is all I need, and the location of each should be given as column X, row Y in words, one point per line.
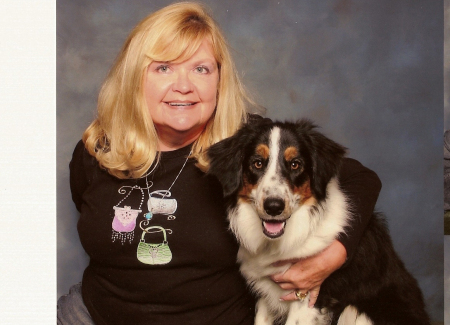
column 124, row 221
column 161, row 205
column 154, row 254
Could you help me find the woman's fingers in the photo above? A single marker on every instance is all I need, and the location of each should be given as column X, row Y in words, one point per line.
column 287, row 286
column 302, row 295
column 313, row 294
column 291, row 296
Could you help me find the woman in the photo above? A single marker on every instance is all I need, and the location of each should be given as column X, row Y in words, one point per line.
column 152, row 223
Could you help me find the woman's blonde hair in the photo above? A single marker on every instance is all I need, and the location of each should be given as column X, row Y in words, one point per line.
column 122, row 137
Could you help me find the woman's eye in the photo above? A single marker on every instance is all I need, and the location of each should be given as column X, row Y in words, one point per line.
column 201, row 69
column 258, row 164
column 162, row 68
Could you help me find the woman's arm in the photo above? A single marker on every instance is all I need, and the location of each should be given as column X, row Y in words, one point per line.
column 362, row 186
column 78, row 179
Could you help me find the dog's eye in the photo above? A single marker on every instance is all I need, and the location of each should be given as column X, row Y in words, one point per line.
column 295, row 165
column 258, row 164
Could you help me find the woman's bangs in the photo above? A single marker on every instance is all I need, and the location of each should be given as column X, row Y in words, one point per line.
column 178, row 48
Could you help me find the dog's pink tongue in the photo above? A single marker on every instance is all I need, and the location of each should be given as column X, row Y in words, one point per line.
column 274, row 227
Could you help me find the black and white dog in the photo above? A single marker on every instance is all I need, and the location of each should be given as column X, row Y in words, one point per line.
column 284, row 202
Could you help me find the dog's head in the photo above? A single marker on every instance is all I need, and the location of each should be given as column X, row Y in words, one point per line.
column 276, row 168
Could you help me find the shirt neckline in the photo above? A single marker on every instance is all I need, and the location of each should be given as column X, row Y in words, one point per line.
column 184, row 151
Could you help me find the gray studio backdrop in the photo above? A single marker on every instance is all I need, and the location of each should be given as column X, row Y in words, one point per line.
column 447, row 127
column 447, row 67
column 368, row 72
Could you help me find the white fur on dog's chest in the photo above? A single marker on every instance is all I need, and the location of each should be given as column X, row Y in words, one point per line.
column 307, row 233
column 298, row 313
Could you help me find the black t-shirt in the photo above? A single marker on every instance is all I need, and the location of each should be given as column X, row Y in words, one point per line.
column 201, row 283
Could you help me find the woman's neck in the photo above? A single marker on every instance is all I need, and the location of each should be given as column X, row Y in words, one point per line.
column 177, row 141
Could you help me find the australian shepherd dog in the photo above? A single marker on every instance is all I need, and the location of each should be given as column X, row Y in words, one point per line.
column 284, row 202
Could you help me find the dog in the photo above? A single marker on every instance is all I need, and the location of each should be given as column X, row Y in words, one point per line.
column 284, row 202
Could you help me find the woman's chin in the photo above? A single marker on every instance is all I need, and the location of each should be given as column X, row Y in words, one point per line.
column 182, row 128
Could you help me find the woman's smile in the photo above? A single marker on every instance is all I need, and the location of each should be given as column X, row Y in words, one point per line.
column 181, row 104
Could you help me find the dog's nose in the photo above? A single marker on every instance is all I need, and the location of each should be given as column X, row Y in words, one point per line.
column 274, row 206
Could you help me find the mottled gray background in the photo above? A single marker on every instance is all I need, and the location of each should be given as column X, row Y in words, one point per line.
column 447, row 66
column 368, row 72
column 447, row 127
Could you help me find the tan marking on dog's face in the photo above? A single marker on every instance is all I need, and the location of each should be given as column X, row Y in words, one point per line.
column 304, row 191
column 262, row 150
column 247, row 188
column 290, row 153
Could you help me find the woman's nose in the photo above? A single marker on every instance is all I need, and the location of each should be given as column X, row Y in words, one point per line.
column 182, row 83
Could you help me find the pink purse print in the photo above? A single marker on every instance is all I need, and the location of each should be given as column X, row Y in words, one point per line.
column 124, row 221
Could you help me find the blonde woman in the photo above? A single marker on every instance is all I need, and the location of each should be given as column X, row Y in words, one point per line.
column 152, row 222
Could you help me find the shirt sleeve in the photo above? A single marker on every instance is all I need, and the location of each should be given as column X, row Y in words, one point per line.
column 78, row 177
column 362, row 186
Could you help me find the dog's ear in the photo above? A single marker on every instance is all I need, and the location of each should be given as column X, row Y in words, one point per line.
column 226, row 159
column 326, row 157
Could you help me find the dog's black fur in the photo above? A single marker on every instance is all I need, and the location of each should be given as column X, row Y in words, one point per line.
column 375, row 280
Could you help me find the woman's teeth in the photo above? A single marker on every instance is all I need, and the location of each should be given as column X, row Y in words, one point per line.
column 181, row 104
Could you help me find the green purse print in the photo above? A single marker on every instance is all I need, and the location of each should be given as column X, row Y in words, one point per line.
column 154, row 254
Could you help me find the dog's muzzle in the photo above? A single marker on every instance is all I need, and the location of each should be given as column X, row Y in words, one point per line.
column 274, row 222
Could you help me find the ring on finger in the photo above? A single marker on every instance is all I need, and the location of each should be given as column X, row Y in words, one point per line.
column 300, row 295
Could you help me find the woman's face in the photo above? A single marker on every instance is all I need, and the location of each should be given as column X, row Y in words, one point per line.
column 181, row 97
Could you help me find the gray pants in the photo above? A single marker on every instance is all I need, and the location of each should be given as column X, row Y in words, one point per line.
column 71, row 308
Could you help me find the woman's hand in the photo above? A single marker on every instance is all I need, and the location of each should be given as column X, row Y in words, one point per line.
column 308, row 274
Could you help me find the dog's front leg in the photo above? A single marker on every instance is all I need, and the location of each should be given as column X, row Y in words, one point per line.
column 263, row 315
column 301, row 314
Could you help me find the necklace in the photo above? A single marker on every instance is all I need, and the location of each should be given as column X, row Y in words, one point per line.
column 162, row 204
